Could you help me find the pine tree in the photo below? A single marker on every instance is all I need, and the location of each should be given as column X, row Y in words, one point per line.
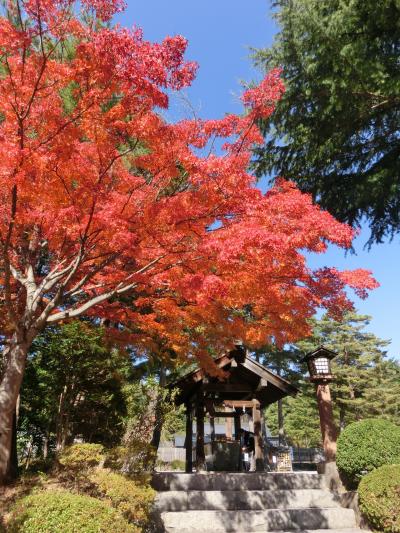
column 366, row 383
column 284, row 363
column 383, row 398
column 359, row 368
column 335, row 131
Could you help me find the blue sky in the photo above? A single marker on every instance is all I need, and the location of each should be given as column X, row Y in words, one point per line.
column 220, row 34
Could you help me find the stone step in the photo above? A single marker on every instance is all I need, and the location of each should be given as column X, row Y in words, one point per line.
column 165, row 481
column 267, row 520
column 244, row 499
column 352, row 530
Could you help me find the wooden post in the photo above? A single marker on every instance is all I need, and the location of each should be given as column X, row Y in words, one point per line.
column 237, row 437
column 189, row 439
column 328, row 428
column 237, row 426
column 212, row 427
column 228, row 425
column 329, row 436
column 281, row 430
column 200, row 455
column 258, row 441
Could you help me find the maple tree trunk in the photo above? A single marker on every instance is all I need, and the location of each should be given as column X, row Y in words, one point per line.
column 14, row 358
column 159, row 419
column 13, row 465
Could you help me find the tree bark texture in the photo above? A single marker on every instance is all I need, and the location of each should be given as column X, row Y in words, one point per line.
column 328, row 428
column 159, row 414
column 14, row 365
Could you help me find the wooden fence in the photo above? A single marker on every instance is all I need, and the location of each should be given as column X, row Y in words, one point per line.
column 307, row 455
column 167, row 455
column 299, row 455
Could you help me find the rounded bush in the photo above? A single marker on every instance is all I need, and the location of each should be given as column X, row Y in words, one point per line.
column 379, row 494
column 133, row 498
column 61, row 511
column 366, row 445
column 80, row 456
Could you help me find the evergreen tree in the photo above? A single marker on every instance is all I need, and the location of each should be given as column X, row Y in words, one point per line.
column 284, row 363
column 300, row 418
column 366, row 383
column 73, row 387
column 359, row 368
column 336, row 129
column 383, row 398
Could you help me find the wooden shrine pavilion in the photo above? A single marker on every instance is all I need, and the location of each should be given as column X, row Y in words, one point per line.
column 248, row 386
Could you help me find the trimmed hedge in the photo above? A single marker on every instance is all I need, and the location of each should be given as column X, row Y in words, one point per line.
column 61, row 511
column 132, row 498
column 80, row 456
column 366, row 445
column 379, row 494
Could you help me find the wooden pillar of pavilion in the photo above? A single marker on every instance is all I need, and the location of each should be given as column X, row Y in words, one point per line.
column 237, row 437
column 200, row 455
column 236, row 421
column 228, row 424
column 189, row 439
column 258, row 440
column 212, row 427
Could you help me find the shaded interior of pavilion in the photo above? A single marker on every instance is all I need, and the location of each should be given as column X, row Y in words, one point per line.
column 240, row 398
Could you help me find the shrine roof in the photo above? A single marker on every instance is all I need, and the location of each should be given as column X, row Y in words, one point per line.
column 246, row 379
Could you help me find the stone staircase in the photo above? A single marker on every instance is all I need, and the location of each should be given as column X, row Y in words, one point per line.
column 248, row 502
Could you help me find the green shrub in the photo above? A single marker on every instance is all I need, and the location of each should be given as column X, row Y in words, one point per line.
column 134, row 458
column 379, row 493
column 61, row 511
column 366, row 445
column 177, row 464
column 116, row 457
column 133, row 498
column 82, row 456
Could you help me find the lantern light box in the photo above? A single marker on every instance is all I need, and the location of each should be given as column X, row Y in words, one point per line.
column 319, row 364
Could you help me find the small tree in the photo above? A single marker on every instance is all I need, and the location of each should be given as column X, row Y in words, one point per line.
column 151, row 409
column 73, row 386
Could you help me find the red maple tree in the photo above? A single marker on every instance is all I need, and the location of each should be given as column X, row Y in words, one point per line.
column 109, row 210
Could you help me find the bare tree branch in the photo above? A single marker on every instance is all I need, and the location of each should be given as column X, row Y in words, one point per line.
column 121, row 288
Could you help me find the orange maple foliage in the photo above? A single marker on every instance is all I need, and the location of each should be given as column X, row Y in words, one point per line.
column 109, row 210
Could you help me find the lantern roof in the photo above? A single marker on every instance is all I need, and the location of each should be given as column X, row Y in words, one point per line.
column 319, row 352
